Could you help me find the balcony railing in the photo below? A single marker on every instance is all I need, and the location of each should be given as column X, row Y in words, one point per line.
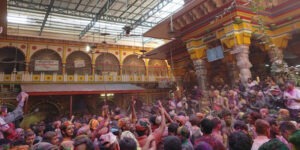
column 75, row 78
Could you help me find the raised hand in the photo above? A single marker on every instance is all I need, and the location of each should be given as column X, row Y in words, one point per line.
column 22, row 96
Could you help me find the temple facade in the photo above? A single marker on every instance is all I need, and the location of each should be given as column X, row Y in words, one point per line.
column 228, row 40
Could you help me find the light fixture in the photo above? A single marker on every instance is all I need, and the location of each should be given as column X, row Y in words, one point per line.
column 88, row 48
column 108, row 95
column 267, row 65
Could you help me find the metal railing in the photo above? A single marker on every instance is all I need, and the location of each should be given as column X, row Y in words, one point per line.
column 75, row 78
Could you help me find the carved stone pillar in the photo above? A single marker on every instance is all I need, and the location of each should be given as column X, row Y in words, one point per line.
column 233, row 72
column 201, row 72
column 243, row 63
column 275, row 54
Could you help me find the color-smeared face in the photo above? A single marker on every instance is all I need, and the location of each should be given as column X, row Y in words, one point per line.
column 70, row 130
column 55, row 140
column 30, row 139
column 289, row 86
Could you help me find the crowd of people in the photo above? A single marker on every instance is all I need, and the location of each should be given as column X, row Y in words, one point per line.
column 258, row 115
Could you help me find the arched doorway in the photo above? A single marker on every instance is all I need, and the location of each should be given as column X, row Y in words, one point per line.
column 46, row 61
column 79, row 62
column 292, row 53
column 107, row 63
column 11, row 60
column 157, row 67
column 44, row 107
column 132, row 65
column 261, row 65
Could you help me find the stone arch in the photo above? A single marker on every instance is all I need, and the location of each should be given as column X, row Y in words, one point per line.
column 79, row 62
column 10, row 58
column 45, row 54
column 44, row 106
column 132, row 65
column 107, row 62
column 157, row 67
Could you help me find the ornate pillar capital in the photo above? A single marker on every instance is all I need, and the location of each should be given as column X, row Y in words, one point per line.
column 281, row 41
column 236, row 33
column 196, row 48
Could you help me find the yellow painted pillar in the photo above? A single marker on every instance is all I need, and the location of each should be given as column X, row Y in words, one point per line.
column 27, row 58
column 64, row 59
column 93, row 63
column 237, row 36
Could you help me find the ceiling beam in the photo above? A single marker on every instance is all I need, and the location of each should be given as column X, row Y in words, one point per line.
column 146, row 16
column 101, row 12
column 46, row 16
column 29, row 7
column 128, row 7
column 78, row 4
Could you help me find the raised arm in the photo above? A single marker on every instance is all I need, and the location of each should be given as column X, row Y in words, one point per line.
column 133, row 112
column 163, row 118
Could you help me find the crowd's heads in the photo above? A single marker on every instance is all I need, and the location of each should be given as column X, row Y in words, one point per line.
column 216, row 123
column 252, row 117
column 283, row 115
column 226, row 115
column 262, row 127
column 203, row 146
column 108, row 141
column 20, row 133
column 84, row 130
column 128, row 134
column 289, row 85
column 273, row 144
column 83, row 142
column 183, row 132
column 240, row 126
column 29, row 137
column 239, row 141
column 124, row 123
column 67, row 129
column 206, row 126
column 93, row 124
column 295, row 140
column 287, row 128
column 264, row 112
column 181, row 120
column 274, row 127
column 127, row 144
column 142, row 126
column 172, row 128
column 194, row 120
column 51, row 137
column 172, row 143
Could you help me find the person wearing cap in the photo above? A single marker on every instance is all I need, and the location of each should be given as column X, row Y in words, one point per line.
column 292, row 95
column 7, row 118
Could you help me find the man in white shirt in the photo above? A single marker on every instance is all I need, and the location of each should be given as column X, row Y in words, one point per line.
column 262, row 129
column 292, row 95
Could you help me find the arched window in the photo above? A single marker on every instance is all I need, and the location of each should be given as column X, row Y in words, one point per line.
column 79, row 62
column 132, row 65
column 11, row 59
